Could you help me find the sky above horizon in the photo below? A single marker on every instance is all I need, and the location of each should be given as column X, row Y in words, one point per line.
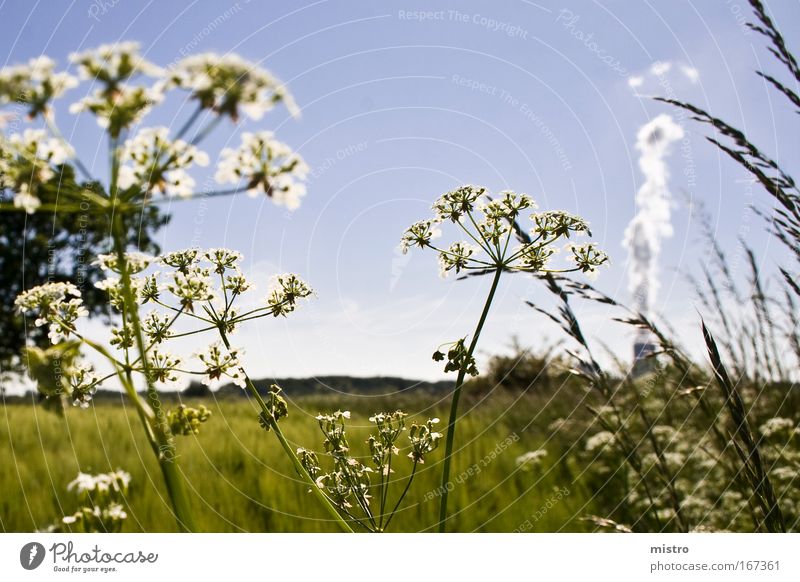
column 402, row 101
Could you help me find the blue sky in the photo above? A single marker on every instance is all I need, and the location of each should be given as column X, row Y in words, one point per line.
column 400, row 106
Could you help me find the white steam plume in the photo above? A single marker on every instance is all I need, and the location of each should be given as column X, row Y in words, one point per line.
column 652, row 221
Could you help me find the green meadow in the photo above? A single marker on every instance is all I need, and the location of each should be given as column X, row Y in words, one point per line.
column 240, row 480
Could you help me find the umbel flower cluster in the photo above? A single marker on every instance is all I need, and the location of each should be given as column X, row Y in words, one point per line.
column 490, row 223
column 28, row 163
column 361, row 491
column 201, row 288
column 151, row 161
column 101, row 500
column 156, row 299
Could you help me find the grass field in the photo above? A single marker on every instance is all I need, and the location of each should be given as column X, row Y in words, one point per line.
column 241, row 481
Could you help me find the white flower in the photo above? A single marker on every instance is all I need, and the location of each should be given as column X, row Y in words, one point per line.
column 56, row 304
column 111, row 483
column 181, row 260
column 218, row 363
column 535, row 256
column 192, row 286
column 419, row 234
column 237, row 283
column 531, row 459
column 26, row 162
column 83, row 384
column 116, row 295
column 118, row 109
column 223, row 259
column 587, row 257
column 83, row 483
column 113, row 63
column 35, row 84
column 226, row 83
column 151, row 161
column 156, row 326
column 115, row 512
column 285, row 290
column 455, row 258
column 778, row 425
column 455, row 204
column 162, row 367
column 136, row 262
column 556, row 223
column 266, row 166
column 600, row 441
column 27, row 201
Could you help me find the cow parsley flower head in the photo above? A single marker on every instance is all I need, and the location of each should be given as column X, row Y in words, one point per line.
column 455, row 258
column 218, row 363
column 182, row 260
column 228, row 83
column 156, row 327
column 454, row 205
column 57, row 305
column 186, row 420
column 151, row 161
column 120, row 108
column 587, row 257
column 112, row 64
column 163, row 367
column 116, row 292
column 420, row 234
column 37, row 147
column 102, row 485
column 779, row 426
column 35, row 84
column 82, row 384
column 266, row 166
column 27, row 161
column 557, row 223
column 191, row 287
column 491, row 223
column 424, row 439
column 136, row 262
column 26, row 201
column 531, row 459
column 600, row 440
column 285, row 291
column 223, row 259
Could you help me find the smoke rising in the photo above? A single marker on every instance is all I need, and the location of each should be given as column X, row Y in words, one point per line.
column 652, row 221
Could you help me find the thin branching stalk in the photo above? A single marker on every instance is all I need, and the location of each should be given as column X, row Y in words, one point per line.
column 287, row 448
column 451, row 423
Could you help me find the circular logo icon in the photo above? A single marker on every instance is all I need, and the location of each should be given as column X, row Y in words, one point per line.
column 31, row 555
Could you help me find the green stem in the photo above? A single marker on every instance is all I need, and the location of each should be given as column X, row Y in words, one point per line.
column 203, row 133
column 451, row 424
column 298, row 466
column 402, row 496
column 157, row 425
column 189, row 123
